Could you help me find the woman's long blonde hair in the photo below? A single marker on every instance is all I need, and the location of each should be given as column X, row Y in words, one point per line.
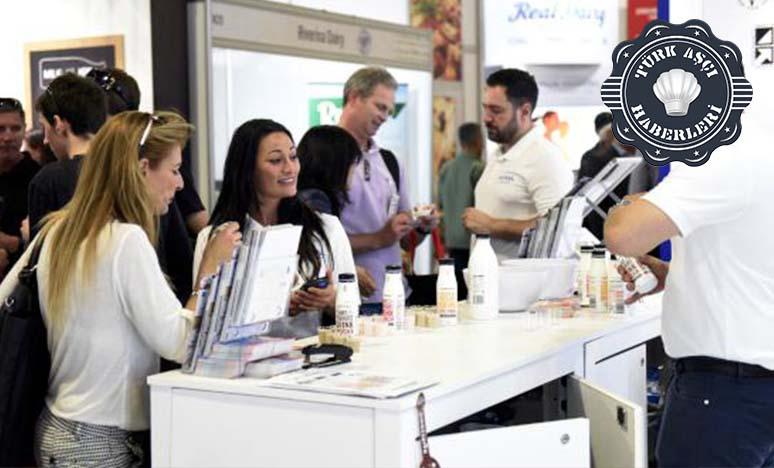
column 110, row 187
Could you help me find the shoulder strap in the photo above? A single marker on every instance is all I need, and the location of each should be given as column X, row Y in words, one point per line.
column 33, row 261
column 28, row 274
column 392, row 165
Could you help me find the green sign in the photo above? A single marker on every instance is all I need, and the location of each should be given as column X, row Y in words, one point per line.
column 326, row 111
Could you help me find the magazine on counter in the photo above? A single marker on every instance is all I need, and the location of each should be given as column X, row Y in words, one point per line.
column 355, row 382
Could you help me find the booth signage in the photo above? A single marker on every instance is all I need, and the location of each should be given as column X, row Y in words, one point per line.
column 327, row 110
column 47, row 60
column 557, row 10
column 297, row 31
column 558, row 32
column 563, row 43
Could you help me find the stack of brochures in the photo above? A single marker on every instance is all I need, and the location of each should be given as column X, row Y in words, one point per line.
column 237, row 304
column 555, row 233
column 270, row 367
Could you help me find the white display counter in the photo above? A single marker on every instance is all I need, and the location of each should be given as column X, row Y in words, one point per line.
column 198, row 421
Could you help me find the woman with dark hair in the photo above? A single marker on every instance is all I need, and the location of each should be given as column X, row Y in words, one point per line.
column 328, row 155
column 259, row 180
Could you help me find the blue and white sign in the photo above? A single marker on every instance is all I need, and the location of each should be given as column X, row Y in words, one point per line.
column 566, row 44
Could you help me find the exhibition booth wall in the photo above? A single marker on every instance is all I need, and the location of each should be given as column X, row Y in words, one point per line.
column 44, row 25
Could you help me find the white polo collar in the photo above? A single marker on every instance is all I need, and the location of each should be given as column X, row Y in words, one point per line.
column 520, row 146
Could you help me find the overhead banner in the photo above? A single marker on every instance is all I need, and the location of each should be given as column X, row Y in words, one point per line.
column 267, row 26
column 566, row 44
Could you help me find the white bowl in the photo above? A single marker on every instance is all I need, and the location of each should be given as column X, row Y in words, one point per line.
column 518, row 289
column 560, row 273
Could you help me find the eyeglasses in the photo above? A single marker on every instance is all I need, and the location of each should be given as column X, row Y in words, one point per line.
column 146, row 132
column 10, row 104
column 107, row 82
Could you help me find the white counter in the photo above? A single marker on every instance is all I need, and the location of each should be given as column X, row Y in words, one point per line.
column 198, row 421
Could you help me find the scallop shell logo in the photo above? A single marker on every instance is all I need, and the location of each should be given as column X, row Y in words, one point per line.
column 677, row 89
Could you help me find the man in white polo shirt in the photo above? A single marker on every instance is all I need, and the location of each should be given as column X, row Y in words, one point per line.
column 526, row 175
column 718, row 319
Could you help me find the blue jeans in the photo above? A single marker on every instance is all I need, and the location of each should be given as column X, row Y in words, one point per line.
column 717, row 420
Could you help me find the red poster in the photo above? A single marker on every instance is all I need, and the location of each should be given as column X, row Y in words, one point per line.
column 640, row 13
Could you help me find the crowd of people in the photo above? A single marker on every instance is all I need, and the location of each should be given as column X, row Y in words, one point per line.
column 107, row 200
column 103, row 193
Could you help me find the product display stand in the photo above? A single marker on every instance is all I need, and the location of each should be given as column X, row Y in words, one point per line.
column 602, row 185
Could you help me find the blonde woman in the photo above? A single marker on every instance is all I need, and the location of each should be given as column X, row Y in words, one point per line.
column 108, row 310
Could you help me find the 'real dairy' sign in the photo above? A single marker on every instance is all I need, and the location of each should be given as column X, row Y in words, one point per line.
column 550, row 31
column 677, row 92
column 556, row 10
column 565, row 44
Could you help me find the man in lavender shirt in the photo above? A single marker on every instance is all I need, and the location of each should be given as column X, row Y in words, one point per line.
column 378, row 215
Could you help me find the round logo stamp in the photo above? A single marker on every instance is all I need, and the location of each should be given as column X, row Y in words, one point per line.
column 676, row 92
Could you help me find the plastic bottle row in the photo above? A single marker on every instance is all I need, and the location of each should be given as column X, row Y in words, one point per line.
column 600, row 285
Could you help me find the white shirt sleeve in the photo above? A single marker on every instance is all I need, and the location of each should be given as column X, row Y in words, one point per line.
column 201, row 243
column 147, row 300
column 550, row 179
column 716, row 192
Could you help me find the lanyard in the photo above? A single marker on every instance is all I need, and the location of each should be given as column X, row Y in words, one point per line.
column 369, row 169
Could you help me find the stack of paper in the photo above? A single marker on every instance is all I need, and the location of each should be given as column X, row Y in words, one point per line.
column 229, row 360
column 343, row 381
column 555, row 233
column 241, row 299
column 270, row 367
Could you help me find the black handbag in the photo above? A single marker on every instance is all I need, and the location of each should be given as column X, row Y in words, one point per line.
column 25, row 364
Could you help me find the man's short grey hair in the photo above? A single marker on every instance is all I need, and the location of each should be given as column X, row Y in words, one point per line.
column 363, row 82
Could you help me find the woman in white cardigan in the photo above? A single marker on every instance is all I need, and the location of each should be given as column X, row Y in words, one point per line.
column 260, row 180
column 108, row 309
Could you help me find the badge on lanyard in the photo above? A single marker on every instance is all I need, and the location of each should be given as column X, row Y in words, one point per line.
column 392, row 206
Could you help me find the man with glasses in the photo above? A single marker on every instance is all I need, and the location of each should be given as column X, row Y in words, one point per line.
column 526, row 176
column 71, row 111
column 16, row 171
column 377, row 217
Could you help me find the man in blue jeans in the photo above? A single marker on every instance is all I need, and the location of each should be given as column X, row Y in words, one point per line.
column 718, row 309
